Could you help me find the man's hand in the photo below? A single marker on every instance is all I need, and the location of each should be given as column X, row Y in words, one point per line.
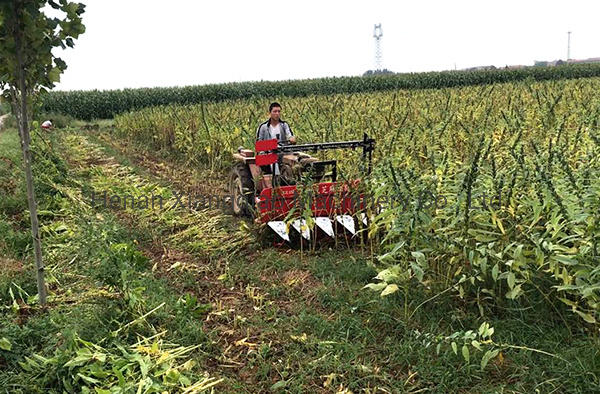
column 293, row 140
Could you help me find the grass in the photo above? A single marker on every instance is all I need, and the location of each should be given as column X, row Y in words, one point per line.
column 4, row 108
column 98, row 284
column 267, row 320
column 13, row 197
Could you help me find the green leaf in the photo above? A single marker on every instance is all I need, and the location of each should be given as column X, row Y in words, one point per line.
column 5, row 344
column 568, row 302
column 511, row 279
column 172, row 375
column 465, row 353
column 419, row 273
column 586, row 316
column 485, row 359
column 484, row 236
column 120, row 376
column 376, row 286
column 454, row 347
column 389, row 274
column 483, row 265
column 515, row 293
column 88, row 379
column 565, row 259
column 143, row 367
column 54, row 75
column 419, row 265
column 279, row 385
column 68, row 385
column 71, row 7
column 518, row 252
column 78, row 361
column 419, row 256
column 483, row 328
column 495, row 272
column 60, row 63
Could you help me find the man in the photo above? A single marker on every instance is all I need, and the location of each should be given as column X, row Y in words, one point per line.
column 275, row 127
column 47, row 125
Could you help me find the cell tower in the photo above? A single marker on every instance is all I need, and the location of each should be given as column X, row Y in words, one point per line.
column 377, row 34
column 569, row 46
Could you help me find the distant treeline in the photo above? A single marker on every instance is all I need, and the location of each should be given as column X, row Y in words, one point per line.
column 104, row 104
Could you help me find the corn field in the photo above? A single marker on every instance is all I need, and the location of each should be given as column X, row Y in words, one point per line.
column 96, row 104
column 531, row 147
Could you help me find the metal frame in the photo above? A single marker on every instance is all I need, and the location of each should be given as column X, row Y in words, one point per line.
column 367, row 144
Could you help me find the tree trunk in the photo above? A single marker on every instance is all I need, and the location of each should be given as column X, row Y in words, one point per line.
column 22, row 118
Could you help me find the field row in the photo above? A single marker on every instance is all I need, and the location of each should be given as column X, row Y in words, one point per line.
column 535, row 144
column 95, row 104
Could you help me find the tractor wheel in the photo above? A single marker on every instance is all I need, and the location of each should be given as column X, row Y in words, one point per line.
column 241, row 189
column 287, row 175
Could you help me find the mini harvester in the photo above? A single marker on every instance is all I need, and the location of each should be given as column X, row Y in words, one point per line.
column 270, row 183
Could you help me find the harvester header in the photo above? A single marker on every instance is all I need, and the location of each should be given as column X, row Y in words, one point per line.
column 264, row 183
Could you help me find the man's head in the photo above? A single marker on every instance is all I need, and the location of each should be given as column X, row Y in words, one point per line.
column 275, row 111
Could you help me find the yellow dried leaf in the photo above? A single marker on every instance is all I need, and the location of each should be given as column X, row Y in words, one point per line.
column 301, row 338
column 329, row 380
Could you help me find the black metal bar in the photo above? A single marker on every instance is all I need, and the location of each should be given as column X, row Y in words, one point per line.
column 364, row 151
column 367, row 144
column 320, row 147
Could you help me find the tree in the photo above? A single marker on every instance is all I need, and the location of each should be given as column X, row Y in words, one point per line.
column 28, row 68
column 369, row 73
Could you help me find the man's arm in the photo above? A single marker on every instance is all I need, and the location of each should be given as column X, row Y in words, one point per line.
column 259, row 134
column 288, row 133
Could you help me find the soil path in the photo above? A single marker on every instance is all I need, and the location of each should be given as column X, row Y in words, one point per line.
column 230, row 300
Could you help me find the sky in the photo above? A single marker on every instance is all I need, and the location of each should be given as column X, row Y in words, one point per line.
column 147, row 43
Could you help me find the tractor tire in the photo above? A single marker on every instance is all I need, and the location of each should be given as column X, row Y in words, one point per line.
column 287, row 175
column 241, row 189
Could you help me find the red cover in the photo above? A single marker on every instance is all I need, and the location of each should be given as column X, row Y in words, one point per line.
column 264, row 145
column 328, row 199
column 263, row 160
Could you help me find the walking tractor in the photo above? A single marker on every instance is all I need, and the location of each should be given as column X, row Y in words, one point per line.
column 286, row 188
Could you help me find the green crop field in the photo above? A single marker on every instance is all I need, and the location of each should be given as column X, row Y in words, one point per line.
column 96, row 104
column 534, row 145
column 497, row 290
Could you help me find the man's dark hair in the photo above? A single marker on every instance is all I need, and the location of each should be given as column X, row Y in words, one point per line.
column 273, row 105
